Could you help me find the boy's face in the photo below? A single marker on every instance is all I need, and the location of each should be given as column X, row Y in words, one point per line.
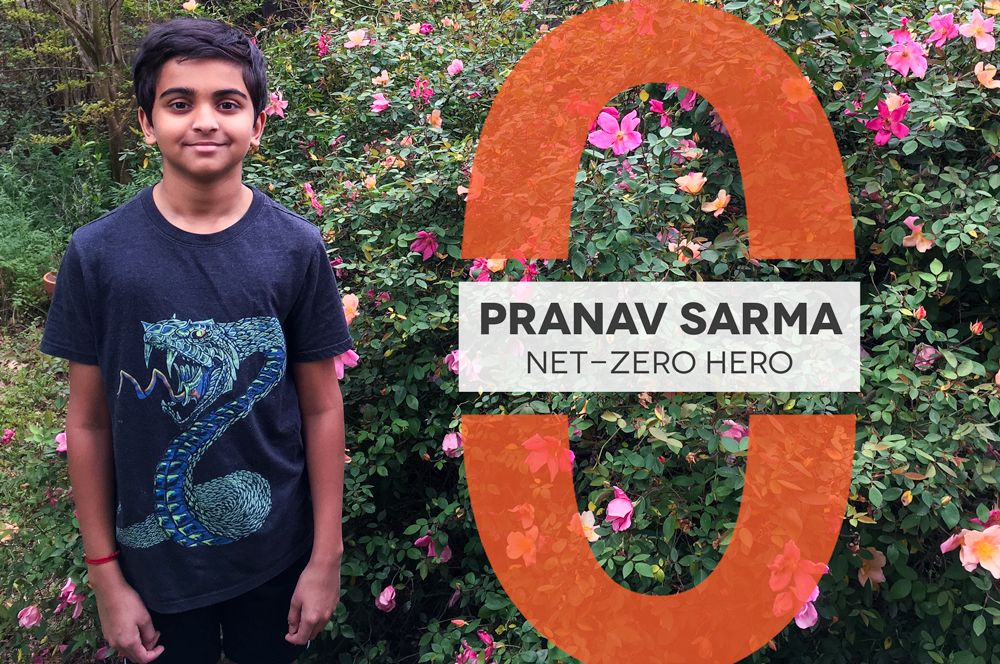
column 203, row 119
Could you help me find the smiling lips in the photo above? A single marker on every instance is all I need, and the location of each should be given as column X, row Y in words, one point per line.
column 205, row 147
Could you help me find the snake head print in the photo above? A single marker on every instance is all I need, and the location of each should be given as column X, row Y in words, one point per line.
column 200, row 357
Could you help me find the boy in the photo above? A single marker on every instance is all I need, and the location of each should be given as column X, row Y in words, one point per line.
column 208, row 483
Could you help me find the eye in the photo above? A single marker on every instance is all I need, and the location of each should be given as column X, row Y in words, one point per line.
column 198, row 334
column 230, row 106
column 174, row 105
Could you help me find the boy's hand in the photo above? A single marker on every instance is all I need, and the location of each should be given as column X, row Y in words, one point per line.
column 316, row 596
column 126, row 623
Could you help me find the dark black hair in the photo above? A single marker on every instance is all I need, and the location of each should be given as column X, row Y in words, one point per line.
column 196, row 39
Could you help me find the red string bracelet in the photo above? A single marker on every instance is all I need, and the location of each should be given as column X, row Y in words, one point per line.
column 100, row 561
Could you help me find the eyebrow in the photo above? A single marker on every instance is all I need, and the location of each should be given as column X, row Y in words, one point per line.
column 190, row 93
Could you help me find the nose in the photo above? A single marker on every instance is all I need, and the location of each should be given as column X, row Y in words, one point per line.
column 204, row 118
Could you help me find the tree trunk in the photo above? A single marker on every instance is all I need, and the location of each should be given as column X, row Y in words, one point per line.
column 95, row 26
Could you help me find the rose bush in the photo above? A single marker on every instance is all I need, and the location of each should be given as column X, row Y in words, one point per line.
column 372, row 137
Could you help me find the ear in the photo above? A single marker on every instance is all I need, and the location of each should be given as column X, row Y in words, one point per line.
column 146, row 125
column 258, row 129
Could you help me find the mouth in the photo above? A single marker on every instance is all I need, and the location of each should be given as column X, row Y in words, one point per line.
column 205, row 147
column 191, row 378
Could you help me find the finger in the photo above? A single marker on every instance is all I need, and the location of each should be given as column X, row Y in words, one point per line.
column 143, row 656
column 304, row 632
column 294, row 616
column 147, row 633
column 297, row 639
column 137, row 652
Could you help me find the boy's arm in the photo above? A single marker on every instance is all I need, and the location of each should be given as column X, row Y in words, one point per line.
column 91, row 460
column 124, row 619
column 322, row 409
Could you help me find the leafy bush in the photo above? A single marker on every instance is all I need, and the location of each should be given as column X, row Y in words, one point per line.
column 46, row 192
column 26, row 253
column 381, row 177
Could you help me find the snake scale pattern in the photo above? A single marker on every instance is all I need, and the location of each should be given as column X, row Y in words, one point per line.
column 206, row 356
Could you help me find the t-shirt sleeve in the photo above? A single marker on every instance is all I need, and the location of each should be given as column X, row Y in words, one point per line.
column 69, row 329
column 316, row 328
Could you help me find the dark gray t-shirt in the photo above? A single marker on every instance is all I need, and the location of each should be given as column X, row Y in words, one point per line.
column 193, row 335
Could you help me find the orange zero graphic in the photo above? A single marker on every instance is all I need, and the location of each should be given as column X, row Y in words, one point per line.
column 519, row 467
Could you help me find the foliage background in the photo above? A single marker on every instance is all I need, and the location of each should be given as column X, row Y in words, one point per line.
column 925, row 460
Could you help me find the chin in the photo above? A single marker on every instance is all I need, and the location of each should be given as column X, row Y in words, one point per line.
column 208, row 173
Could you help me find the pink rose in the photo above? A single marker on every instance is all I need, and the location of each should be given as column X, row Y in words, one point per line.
column 487, row 640
column 807, row 616
column 386, row 600
column 452, row 445
column 925, row 356
column 29, row 617
column 379, row 102
column 348, row 359
column 425, row 244
column 427, row 541
column 736, row 430
column 620, row 511
column 452, row 360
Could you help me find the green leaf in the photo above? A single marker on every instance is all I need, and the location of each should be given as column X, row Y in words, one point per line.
column 910, row 147
column 624, row 216
column 965, row 368
column 658, row 433
column 875, row 496
column 494, row 602
column 731, row 445
column 983, row 512
column 688, row 409
column 963, row 657
column 950, row 515
column 643, row 569
column 979, row 625
column 989, row 137
column 900, row 589
column 954, row 146
column 669, row 526
column 724, row 240
column 936, row 267
column 579, row 263
column 952, row 244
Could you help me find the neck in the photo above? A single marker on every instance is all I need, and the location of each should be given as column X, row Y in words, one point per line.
column 201, row 202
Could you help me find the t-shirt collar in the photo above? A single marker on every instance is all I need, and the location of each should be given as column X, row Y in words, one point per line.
column 200, row 239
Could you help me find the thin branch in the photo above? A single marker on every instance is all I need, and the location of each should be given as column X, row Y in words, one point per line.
column 80, row 29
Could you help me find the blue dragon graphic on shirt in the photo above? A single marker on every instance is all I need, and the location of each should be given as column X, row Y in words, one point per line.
column 205, row 355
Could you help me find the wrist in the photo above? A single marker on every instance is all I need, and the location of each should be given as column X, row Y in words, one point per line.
column 328, row 557
column 103, row 560
column 106, row 577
